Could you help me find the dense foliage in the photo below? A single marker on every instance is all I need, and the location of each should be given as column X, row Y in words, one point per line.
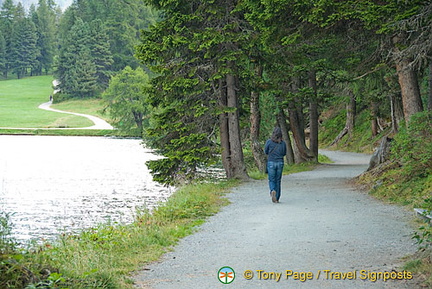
column 127, row 104
column 302, row 57
column 209, row 76
column 83, row 46
column 412, row 147
column 222, row 71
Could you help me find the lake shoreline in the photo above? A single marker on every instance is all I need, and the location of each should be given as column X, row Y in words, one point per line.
column 78, row 180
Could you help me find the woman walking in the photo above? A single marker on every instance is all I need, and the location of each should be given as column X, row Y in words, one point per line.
column 275, row 149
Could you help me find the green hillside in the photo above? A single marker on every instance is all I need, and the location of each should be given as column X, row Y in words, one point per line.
column 19, row 101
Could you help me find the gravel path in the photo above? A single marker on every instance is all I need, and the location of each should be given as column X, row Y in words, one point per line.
column 322, row 225
column 98, row 122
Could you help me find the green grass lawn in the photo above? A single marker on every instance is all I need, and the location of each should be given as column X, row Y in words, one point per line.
column 19, row 101
column 93, row 106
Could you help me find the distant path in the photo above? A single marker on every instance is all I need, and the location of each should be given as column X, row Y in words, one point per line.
column 98, row 122
column 322, row 223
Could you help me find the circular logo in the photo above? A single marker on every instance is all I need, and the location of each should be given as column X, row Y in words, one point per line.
column 226, row 275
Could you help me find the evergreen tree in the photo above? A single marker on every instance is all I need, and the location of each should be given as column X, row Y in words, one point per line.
column 196, row 51
column 76, row 70
column 84, row 75
column 100, row 52
column 123, row 22
column 24, row 51
column 7, row 16
column 44, row 18
column 2, row 52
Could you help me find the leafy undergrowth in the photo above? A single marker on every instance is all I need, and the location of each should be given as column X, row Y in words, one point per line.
column 361, row 140
column 406, row 179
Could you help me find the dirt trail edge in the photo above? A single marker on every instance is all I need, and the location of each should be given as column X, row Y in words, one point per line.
column 343, row 237
column 98, row 122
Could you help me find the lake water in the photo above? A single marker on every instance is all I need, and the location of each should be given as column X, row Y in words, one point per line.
column 54, row 184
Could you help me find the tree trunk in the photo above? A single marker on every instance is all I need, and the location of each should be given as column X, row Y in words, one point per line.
column 374, row 119
column 350, row 120
column 138, row 117
column 410, row 90
column 223, row 130
column 351, row 114
column 313, row 116
column 394, row 122
column 396, row 111
column 429, row 104
column 281, row 119
column 381, row 154
column 408, row 81
column 298, row 134
column 236, row 149
column 255, row 120
column 296, row 119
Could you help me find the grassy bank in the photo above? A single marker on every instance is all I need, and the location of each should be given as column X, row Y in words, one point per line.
column 93, row 106
column 20, row 99
column 58, row 132
column 103, row 257
column 404, row 179
column 361, row 141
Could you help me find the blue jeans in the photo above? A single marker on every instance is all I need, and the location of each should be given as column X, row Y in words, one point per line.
column 275, row 176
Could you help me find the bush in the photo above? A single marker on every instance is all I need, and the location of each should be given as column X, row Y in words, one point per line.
column 7, row 243
column 412, row 147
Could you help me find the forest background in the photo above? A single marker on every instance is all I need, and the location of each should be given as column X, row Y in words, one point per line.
column 205, row 82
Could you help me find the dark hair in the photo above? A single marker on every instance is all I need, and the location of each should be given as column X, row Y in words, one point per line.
column 277, row 135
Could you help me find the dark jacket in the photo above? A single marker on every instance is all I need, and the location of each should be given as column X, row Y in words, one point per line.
column 275, row 151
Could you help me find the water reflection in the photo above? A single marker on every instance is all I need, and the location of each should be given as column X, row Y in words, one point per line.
column 58, row 184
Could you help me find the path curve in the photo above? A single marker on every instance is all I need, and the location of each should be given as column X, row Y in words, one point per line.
column 98, row 122
column 322, row 223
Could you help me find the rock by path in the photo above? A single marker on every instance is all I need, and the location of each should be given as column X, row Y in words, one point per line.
column 322, row 223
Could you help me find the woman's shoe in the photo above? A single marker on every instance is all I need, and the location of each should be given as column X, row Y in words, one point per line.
column 273, row 195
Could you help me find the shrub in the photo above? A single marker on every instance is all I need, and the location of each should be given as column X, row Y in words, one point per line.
column 7, row 243
column 413, row 150
column 412, row 147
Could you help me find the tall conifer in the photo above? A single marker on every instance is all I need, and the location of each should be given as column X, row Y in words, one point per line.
column 7, row 16
column 23, row 48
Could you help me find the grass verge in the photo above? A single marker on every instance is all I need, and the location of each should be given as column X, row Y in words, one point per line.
column 406, row 179
column 20, row 114
column 20, row 99
column 103, row 257
column 58, row 132
column 92, row 106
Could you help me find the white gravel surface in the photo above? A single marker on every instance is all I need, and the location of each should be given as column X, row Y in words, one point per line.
column 322, row 225
column 98, row 122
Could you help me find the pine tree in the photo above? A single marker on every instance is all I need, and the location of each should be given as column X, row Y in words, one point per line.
column 24, row 51
column 2, row 53
column 101, row 53
column 7, row 16
column 84, row 75
column 197, row 52
column 76, row 70
column 123, row 22
column 44, row 18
